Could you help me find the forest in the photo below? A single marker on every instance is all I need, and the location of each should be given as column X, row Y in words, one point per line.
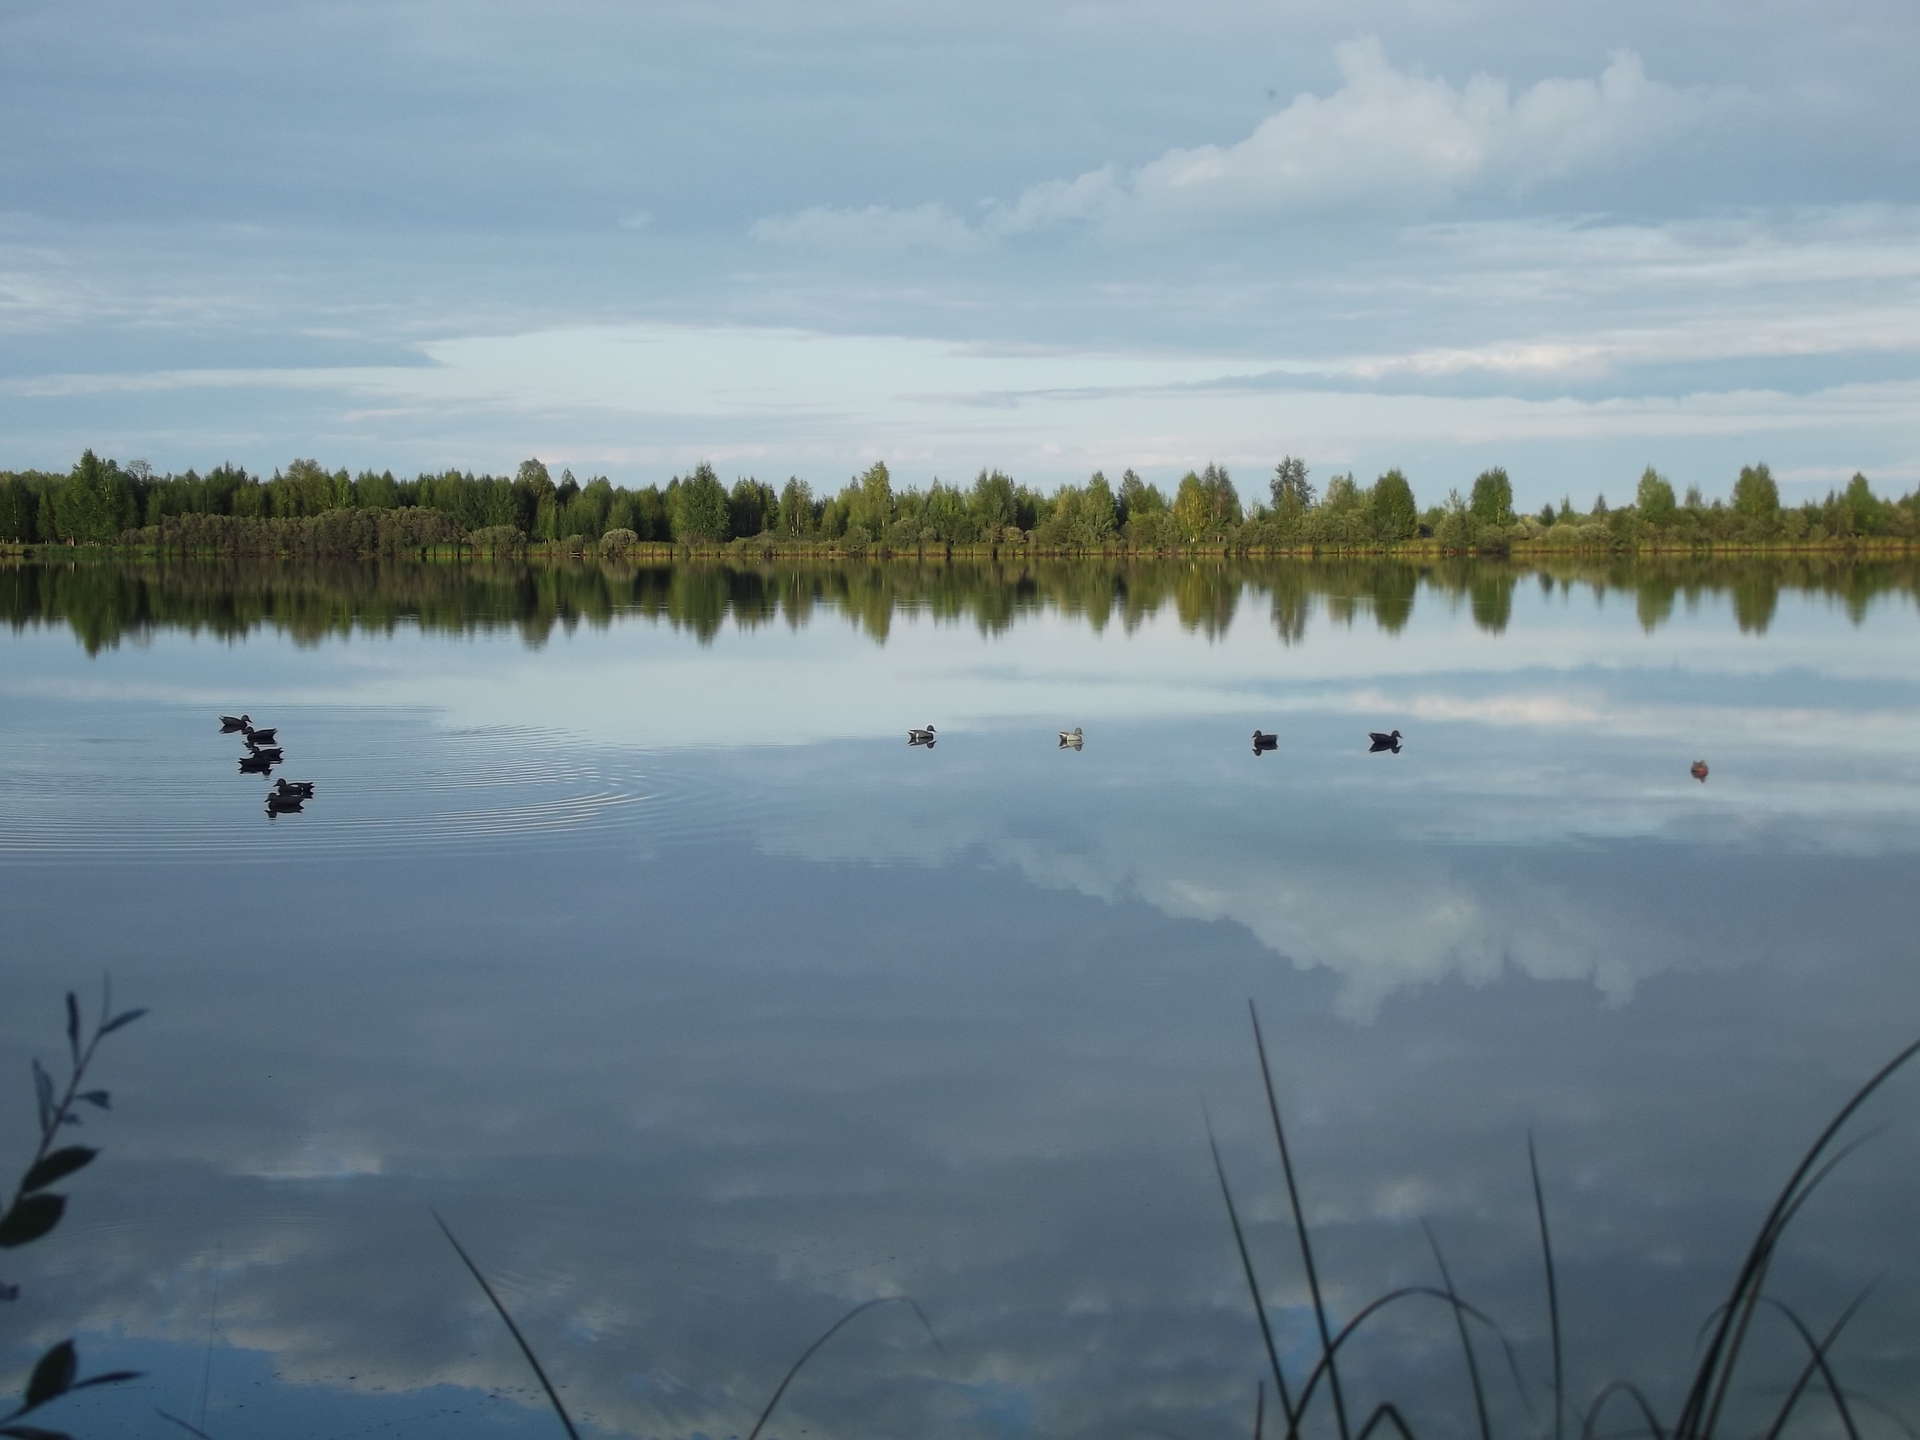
column 306, row 508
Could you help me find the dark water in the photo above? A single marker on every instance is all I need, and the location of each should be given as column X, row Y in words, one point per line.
column 627, row 931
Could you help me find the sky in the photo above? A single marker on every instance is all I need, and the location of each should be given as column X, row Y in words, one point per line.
column 625, row 238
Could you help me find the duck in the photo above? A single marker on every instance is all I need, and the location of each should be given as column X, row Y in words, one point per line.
column 1264, row 740
column 920, row 735
column 259, row 737
column 1698, row 770
column 292, row 789
column 265, row 752
column 1071, row 739
column 235, row 722
column 1379, row 742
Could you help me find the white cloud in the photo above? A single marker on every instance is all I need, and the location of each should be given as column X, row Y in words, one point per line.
column 872, row 228
column 1387, row 139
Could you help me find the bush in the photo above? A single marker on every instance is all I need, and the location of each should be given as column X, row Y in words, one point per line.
column 499, row 540
column 618, row 542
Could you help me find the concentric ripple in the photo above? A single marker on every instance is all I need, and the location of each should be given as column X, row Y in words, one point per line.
column 386, row 782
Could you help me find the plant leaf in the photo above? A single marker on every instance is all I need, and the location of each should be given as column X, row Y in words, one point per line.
column 53, row 1376
column 73, row 1026
column 125, row 1017
column 97, row 1097
column 112, row 1377
column 31, row 1217
column 43, row 1092
column 57, row 1165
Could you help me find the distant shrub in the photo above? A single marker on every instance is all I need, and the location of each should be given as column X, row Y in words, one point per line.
column 499, row 540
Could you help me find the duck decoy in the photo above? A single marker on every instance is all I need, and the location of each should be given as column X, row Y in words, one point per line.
column 234, row 722
column 1698, row 770
column 1264, row 740
column 261, row 764
column 292, row 789
column 1378, row 742
column 262, row 737
column 920, row 735
column 1071, row 739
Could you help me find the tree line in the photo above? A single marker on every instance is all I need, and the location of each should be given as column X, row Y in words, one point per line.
column 306, row 507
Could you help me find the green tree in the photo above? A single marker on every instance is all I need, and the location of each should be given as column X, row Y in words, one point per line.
column 1459, row 527
column 750, row 508
column 1756, row 499
column 1654, row 499
column 96, row 501
column 1137, row 497
column 1865, row 514
column 992, row 503
column 796, row 508
column 1391, row 507
column 700, row 508
column 1492, row 503
column 1289, row 485
column 870, row 502
column 1099, row 516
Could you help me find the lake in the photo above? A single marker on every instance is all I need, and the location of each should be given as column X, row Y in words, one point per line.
column 627, row 932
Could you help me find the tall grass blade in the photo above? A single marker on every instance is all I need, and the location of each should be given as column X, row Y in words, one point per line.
column 828, row 1334
column 553, row 1396
column 1300, row 1229
column 1466, row 1340
column 1633, row 1393
column 1553, row 1295
column 1708, row 1392
column 1389, row 1412
column 1373, row 1307
column 1885, row 1412
column 1253, row 1284
column 1817, row 1360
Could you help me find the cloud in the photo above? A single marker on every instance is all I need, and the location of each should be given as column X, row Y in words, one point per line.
column 1388, row 139
column 872, row 228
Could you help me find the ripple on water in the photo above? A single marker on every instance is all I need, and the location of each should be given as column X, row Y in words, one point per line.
column 386, row 782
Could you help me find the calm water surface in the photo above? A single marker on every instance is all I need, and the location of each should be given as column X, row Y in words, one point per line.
column 627, row 931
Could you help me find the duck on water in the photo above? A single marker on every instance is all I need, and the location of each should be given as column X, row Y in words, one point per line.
column 920, row 735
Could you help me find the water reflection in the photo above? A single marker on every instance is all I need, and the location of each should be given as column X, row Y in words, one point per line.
column 699, row 1035
column 104, row 601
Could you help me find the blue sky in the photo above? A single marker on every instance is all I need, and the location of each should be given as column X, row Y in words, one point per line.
column 1438, row 234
